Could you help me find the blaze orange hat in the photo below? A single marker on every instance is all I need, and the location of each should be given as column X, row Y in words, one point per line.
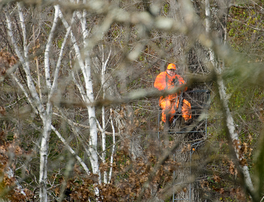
column 171, row 66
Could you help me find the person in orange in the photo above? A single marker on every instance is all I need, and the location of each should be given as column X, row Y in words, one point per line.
column 165, row 81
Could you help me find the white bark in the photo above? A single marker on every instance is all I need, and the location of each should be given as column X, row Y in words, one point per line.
column 104, row 143
column 19, row 188
column 33, row 97
column 24, row 61
column 234, row 136
column 103, row 116
column 103, row 84
column 223, row 97
column 113, row 147
column 87, row 94
column 54, row 129
column 86, row 169
column 92, row 118
column 25, row 64
column 47, row 119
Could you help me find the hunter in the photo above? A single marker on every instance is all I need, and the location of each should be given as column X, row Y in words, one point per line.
column 165, row 81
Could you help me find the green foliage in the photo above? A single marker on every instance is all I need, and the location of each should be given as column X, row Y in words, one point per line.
column 166, row 8
column 59, row 42
column 244, row 28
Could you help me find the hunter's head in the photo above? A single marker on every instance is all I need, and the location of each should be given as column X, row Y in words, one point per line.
column 171, row 69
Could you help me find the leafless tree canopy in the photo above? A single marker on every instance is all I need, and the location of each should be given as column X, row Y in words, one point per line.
column 80, row 116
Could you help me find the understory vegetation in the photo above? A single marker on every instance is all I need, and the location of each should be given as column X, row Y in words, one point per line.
column 80, row 119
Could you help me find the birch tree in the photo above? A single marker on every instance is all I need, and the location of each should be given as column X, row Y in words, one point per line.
column 87, row 91
column 45, row 115
column 234, row 140
column 44, row 110
column 90, row 86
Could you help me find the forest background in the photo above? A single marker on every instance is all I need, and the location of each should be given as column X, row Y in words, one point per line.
column 79, row 114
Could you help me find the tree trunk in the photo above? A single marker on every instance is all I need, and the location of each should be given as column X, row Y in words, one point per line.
column 44, row 147
column 233, row 136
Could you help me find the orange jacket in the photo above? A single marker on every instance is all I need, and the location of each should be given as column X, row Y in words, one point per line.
column 165, row 82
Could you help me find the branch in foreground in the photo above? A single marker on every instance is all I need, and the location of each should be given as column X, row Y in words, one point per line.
column 71, row 150
column 136, row 95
